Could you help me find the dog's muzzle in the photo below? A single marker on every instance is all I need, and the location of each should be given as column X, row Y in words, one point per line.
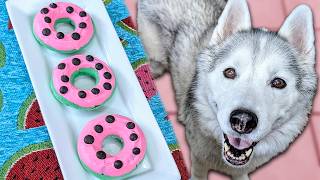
column 237, row 151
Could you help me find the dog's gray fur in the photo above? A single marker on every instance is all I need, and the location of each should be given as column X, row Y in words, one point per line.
column 185, row 38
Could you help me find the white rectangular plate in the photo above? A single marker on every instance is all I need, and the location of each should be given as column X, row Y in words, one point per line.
column 64, row 124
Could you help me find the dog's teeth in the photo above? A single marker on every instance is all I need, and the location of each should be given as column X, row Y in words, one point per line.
column 242, row 157
column 228, row 153
column 248, row 152
column 226, row 147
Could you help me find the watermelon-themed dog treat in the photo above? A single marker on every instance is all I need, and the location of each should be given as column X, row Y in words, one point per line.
column 44, row 27
column 95, row 159
column 69, row 69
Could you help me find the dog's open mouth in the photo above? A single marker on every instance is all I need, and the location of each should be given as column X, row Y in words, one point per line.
column 237, row 151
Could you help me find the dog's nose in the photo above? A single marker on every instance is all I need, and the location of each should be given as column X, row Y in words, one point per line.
column 243, row 121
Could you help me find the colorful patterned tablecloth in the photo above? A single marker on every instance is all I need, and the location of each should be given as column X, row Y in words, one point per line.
column 26, row 151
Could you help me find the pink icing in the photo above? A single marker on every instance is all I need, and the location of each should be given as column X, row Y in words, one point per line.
column 87, row 152
column 67, row 43
column 91, row 100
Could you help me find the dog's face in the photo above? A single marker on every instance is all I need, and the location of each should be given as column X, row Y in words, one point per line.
column 260, row 85
column 257, row 87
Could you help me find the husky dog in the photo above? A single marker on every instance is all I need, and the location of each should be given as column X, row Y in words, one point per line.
column 243, row 94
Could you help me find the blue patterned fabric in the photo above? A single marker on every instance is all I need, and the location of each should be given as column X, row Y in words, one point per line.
column 15, row 86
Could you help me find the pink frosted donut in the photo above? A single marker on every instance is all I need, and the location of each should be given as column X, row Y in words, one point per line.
column 59, row 12
column 69, row 69
column 91, row 139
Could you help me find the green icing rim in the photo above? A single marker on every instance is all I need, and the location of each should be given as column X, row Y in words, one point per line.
column 85, row 72
column 64, row 101
column 2, row 55
column 65, row 20
column 60, row 51
column 23, row 110
column 22, row 153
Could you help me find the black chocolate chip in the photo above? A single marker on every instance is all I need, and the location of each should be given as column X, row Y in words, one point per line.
column 44, row 11
column 101, row 155
column 61, row 66
column 107, row 75
column 95, row 91
column 46, row 32
column 82, row 25
column 63, row 89
column 118, row 164
column 133, row 136
column 53, row 5
column 136, row 151
column 82, row 94
column 60, row 35
column 47, row 19
column 130, row 125
column 89, row 58
column 82, row 14
column 99, row 66
column 70, row 9
column 88, row 139
column 75, row 36
column 98, row 128
column 64, row 78
column 76, row 61
column 110, row 119
column 107, row 86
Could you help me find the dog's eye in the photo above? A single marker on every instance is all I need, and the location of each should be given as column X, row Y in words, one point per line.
column 230, row 73
column 278, row 83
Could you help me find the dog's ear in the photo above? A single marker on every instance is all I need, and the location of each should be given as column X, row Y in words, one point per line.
column 234, row 18
column 298, row 30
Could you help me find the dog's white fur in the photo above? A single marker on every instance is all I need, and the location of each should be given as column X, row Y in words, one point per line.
column 187, row 39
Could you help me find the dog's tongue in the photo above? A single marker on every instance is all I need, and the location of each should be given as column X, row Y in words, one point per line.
column 239, row 143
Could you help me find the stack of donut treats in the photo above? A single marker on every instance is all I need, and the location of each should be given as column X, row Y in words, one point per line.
column 90, row 142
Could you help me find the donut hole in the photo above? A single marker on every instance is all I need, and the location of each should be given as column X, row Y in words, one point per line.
column 64, row 25
column 85, row 78
column 112, row 145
